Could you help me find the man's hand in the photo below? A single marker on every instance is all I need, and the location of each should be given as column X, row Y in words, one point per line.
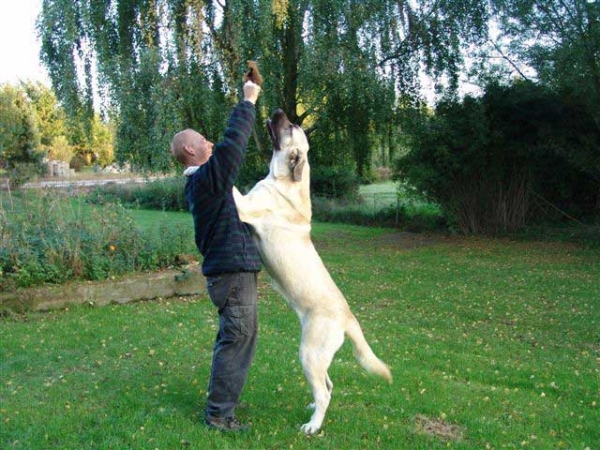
column 251, row 91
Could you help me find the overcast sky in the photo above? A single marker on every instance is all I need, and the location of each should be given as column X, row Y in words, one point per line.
column 19, row 45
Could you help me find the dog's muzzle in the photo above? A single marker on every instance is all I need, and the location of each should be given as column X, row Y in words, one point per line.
column 276, row 126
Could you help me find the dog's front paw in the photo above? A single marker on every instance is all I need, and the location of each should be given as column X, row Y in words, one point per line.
column 311, row 406
column 310, row 428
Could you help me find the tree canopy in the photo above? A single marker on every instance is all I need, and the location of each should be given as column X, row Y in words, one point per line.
column 491, row 162
column 34, row 125
column 560, row 39
column 336, row 67
column 19, row 131
column 348, row 71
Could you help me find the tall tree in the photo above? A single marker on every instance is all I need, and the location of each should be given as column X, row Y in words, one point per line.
column 19, row 132
column 430, row 35
column 335, row 66
column 50, row 116
column 20, row 149
column 560, row 39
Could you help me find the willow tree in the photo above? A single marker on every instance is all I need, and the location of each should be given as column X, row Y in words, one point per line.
column 122, row 52
column 338, row 67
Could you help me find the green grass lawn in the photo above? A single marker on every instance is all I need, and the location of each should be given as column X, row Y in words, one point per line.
column 493, row 344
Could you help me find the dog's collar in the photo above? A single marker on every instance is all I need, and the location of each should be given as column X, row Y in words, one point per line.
column 189, row 171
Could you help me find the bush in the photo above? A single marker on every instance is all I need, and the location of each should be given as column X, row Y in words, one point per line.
column 413, row 212
column 488, row 161
column 352, row 212
column 61, row 150
column 78, row 162
column 164, row 195
column 20, row 145
column 414, row 216
column 46, row 239
column 22, row 172
column 334, row 182
column 167, row 194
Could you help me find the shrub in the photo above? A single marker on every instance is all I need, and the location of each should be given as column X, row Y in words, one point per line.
column 334, row 182
column 412, row 212
column 21, row 172
column 164, row 195
column 487, row 161
column 20, row 145
column 52, row 239
column 414, row 216
column 60, row 149
column 78, row 162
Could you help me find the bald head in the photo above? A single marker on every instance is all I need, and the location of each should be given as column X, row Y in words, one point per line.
column 190, row 148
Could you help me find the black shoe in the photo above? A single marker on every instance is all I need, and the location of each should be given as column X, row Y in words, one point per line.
column 226, row 424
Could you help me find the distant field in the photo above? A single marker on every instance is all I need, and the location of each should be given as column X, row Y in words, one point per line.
column 379, row 195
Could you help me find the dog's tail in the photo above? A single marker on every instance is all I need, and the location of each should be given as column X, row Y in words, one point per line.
column 363, row 353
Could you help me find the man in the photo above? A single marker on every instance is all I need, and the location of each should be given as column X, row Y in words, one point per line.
column 231, row 260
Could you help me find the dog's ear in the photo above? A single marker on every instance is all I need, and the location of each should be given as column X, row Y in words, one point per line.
column 297, row 163
column 298, row 170
column 272, row 135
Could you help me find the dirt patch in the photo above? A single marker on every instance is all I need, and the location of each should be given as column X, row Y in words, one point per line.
column 438, row 428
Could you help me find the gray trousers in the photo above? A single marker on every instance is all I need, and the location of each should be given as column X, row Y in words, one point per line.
column 235, row 296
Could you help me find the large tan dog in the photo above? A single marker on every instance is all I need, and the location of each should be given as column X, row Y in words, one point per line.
column 279, row 210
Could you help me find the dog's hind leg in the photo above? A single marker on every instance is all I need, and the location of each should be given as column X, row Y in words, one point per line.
column 329, row 385
column 317, row 379
column 320, row 342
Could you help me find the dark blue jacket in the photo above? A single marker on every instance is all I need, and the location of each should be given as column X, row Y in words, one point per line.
column 224, row 241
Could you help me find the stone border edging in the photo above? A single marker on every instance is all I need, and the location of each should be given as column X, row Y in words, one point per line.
column 145, row 286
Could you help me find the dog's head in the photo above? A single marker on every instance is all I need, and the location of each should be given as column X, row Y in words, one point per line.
column 290, row 147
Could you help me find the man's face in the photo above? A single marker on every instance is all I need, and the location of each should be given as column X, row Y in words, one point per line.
column 202, row 148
